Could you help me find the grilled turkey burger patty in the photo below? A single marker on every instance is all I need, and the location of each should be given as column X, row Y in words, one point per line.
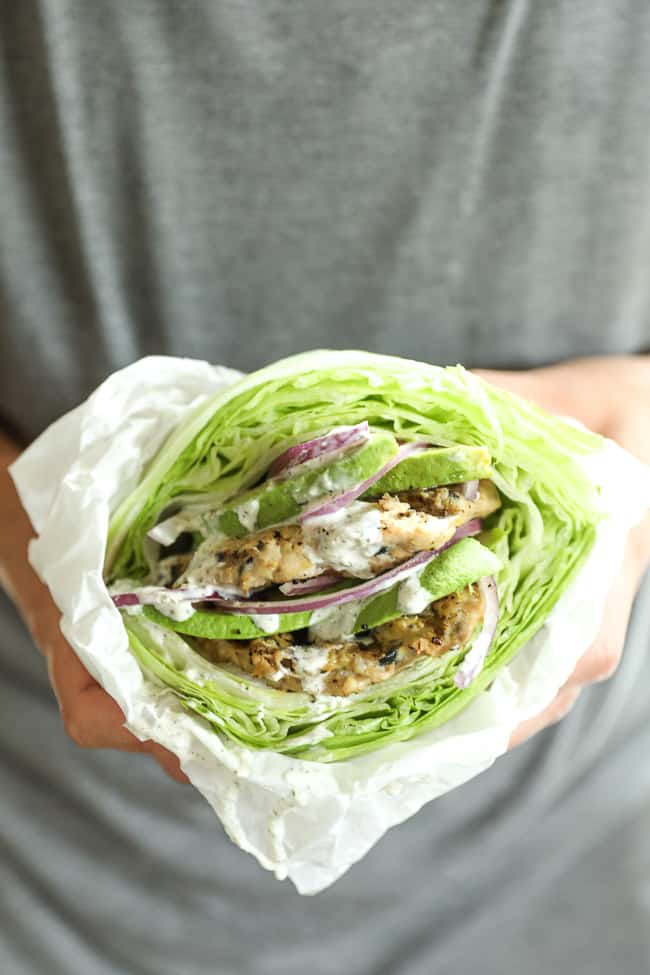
column 349, row 666
column 409, row 522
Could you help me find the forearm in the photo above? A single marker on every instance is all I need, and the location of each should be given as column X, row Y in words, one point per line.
column 609, row 395
column 91, row 718
column 17, row 578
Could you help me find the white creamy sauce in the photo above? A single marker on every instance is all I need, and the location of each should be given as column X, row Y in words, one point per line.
column 309, row 662
column 172, row 603
column 324, row 483
column 247, row 513
column 168, row 531
column 173, row 606
column 334, row 622
column 412, row 597
column 268, row 622
column 327, row 704
column 278, row 674
column 201, row 570
column 345, row 540
column 324, row 486
column 313, row 685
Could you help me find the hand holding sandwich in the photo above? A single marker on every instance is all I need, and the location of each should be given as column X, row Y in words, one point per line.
column 91, row 717
column 607, row 395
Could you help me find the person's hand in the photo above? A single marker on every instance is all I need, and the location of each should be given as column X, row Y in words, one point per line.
column 610, row 396
column 91, row 717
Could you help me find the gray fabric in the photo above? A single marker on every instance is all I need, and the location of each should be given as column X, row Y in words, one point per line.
column 241, row 180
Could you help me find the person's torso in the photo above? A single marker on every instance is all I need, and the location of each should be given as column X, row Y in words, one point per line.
column 240, row 181
column 237, row 182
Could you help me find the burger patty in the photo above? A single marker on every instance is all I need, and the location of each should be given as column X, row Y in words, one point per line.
column 410, row 522
column 344, row 668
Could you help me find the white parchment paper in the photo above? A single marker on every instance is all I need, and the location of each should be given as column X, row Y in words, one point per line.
column 303, row 820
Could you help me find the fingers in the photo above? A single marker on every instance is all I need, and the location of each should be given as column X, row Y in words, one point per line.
column 92, row 719
column 523, row 382
column 598, row 663
column 167, row 761
column 559, row 708
column 603, row 657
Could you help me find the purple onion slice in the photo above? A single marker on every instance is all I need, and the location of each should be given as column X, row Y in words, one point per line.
column 323, row 581
column 323, row 446
column 471, row 527
column 335, row 504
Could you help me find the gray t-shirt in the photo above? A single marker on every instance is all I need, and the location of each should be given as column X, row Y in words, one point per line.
column 238, row 180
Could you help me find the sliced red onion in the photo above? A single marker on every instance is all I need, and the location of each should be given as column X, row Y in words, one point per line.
column 473, row 663
column 335, row 504
column 322, row 581
column 471, row 527
column 322, row 446
column 469, row 490
column 368, row 587
column 128, row 599
column 149, row 595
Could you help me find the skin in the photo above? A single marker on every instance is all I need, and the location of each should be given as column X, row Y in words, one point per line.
column 90, row 716
column 609, row 395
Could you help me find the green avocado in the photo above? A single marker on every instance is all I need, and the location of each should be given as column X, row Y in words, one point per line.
column 275, row 501
column 456, row 567
column 465, row 562
column 224, row 626
column 431, row 468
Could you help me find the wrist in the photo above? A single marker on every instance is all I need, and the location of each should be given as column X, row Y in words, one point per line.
column 17, row 578
column 607, row 393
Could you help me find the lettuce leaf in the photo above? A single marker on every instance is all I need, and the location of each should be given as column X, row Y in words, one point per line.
column 542, row 535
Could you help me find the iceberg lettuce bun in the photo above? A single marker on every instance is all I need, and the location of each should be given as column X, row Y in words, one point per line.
column 341, row 550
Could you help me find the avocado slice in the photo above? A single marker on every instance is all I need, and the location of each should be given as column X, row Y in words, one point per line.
column 465, row 562
column 275, row 501
column 431, row 468
column 456, row 567
column 225, row 626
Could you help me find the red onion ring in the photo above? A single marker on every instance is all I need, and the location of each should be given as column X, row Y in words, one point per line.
column 151, row 594
column 322, row 581
column 471, row 527
column 335, row 504
column 320, row 447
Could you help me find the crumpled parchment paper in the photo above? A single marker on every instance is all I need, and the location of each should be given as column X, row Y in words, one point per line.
column 301, row 819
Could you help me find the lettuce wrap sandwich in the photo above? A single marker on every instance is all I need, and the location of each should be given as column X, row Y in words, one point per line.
column 340, row 551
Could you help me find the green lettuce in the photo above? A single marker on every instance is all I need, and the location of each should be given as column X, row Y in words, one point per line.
column 542, row 534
